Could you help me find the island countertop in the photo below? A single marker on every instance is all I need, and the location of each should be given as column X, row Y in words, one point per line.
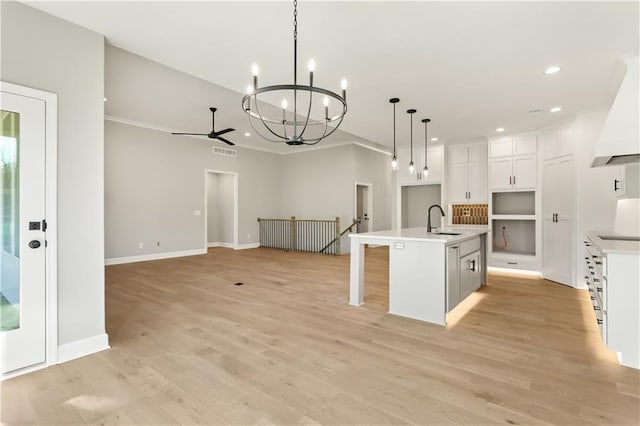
column 466, row 232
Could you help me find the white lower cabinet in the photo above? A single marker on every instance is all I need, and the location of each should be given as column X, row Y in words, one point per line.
column 612, row 273
column 464, row 274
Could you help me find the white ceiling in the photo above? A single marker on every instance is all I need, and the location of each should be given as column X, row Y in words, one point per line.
column 469, row 66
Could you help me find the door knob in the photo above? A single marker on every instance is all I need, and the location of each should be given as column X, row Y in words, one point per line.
column 34, row 244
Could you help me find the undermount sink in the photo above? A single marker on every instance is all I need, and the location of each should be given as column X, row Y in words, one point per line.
column 618, row 238
column 446, row 233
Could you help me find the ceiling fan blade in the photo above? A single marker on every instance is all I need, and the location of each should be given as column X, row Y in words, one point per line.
column 222, row 132
column 192, row 134
column 228, row 142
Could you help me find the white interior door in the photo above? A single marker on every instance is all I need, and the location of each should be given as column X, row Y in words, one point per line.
column 363, row 213
column 22, row 270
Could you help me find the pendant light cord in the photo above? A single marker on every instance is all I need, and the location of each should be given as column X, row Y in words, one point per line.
column 394, row 130
column 425, row 142
column 411, row 133
column 295, row 67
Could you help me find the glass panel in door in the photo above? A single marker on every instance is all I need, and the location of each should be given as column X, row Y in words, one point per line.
column 10, row 211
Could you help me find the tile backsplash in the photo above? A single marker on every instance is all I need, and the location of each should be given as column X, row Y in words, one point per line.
column 470, row 214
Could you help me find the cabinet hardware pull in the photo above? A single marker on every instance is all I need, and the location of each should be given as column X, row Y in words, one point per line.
column 512, row 263
column 473, row 265
column 514, row 180
column 599, row 289
column 593, row 298
column 598, row 263
column 596, row 308
column 599, row 321
column 615, row 185
column 596, row 280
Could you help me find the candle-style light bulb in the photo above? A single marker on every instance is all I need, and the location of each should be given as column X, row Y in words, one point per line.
column 425, row 172
column 255, row 70
column 284, row 104
column 343, row 84
column 412, row 168
column 325, row 101
column 312, row 65
column 249, row 90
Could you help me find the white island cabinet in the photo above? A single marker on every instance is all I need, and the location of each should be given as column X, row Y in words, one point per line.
column 429, row 273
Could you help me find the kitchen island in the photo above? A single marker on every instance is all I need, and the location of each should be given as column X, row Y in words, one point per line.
column 429, row 273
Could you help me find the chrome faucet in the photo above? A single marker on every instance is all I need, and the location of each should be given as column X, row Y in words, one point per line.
column 429, row 215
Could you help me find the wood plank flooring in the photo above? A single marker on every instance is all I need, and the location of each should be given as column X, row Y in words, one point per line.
column 190, row 347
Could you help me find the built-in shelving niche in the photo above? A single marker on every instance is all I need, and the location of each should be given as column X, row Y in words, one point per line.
column 520, row 236
column 514, row 203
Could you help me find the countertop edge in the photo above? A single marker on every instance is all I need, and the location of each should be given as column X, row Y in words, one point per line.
column 633, row 247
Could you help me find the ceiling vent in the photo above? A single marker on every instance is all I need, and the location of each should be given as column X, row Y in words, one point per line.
column 225, row 151
column 535, row 111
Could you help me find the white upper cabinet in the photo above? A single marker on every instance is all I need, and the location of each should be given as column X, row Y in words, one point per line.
column 435, row 158
column 558, row 142
column 513, row 162
column 467, row 171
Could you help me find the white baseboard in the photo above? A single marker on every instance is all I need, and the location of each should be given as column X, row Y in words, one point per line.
column 247, row 246
column 153, row 256
column 83, row 347
column 225, row 245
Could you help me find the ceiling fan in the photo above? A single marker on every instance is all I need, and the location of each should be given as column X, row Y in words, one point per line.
column 213, row 134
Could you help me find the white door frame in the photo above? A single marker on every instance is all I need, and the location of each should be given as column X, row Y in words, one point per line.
column 369, row 202
column 51, row 208
column 235, row 206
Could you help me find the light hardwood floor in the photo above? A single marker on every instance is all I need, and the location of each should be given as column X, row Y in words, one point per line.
column 189, row 346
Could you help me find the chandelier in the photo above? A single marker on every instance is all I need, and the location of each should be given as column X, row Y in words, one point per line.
column 295, row 125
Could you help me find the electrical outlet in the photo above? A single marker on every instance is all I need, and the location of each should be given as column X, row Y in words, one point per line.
column 196, row 212
column 140, row 245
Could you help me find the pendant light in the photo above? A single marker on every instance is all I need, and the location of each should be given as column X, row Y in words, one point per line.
column 412, row 166
column 425, row 171
column 295, row 126
column 394, row 159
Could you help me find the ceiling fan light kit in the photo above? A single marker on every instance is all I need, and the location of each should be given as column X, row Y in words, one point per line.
column 295, row 127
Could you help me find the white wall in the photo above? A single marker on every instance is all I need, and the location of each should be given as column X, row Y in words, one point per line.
column 154, row 182
column 596, row 200
column 416, row 201
column 320, row 184
column 47, row 53
column 220, row 208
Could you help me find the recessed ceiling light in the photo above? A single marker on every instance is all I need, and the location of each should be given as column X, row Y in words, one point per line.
column 556, row 109
column 552, row 70
column 434, row 139
column 105, row 99
column 500, row 129
column 247, row 134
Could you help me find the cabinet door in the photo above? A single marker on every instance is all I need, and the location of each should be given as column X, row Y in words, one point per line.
column 501, row 176
column 549, row 140
column 469, row 274
column 478, row 190
column 458, row 154
column 525, row 144
column 453, row 278
column 564, row 145
column 434, row 161
column 459, row 183
column 477, row 153
column 501, row 148
column 524, row 172
column 549, row 196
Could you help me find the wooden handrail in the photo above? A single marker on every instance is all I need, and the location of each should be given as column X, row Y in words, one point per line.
column 355, row 222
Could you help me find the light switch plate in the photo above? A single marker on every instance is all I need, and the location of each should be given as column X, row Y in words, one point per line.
column 196, row 212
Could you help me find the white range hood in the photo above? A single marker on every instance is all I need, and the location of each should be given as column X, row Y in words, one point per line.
column 619, row 141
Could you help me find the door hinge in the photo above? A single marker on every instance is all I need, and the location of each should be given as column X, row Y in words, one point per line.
column 44, row 225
